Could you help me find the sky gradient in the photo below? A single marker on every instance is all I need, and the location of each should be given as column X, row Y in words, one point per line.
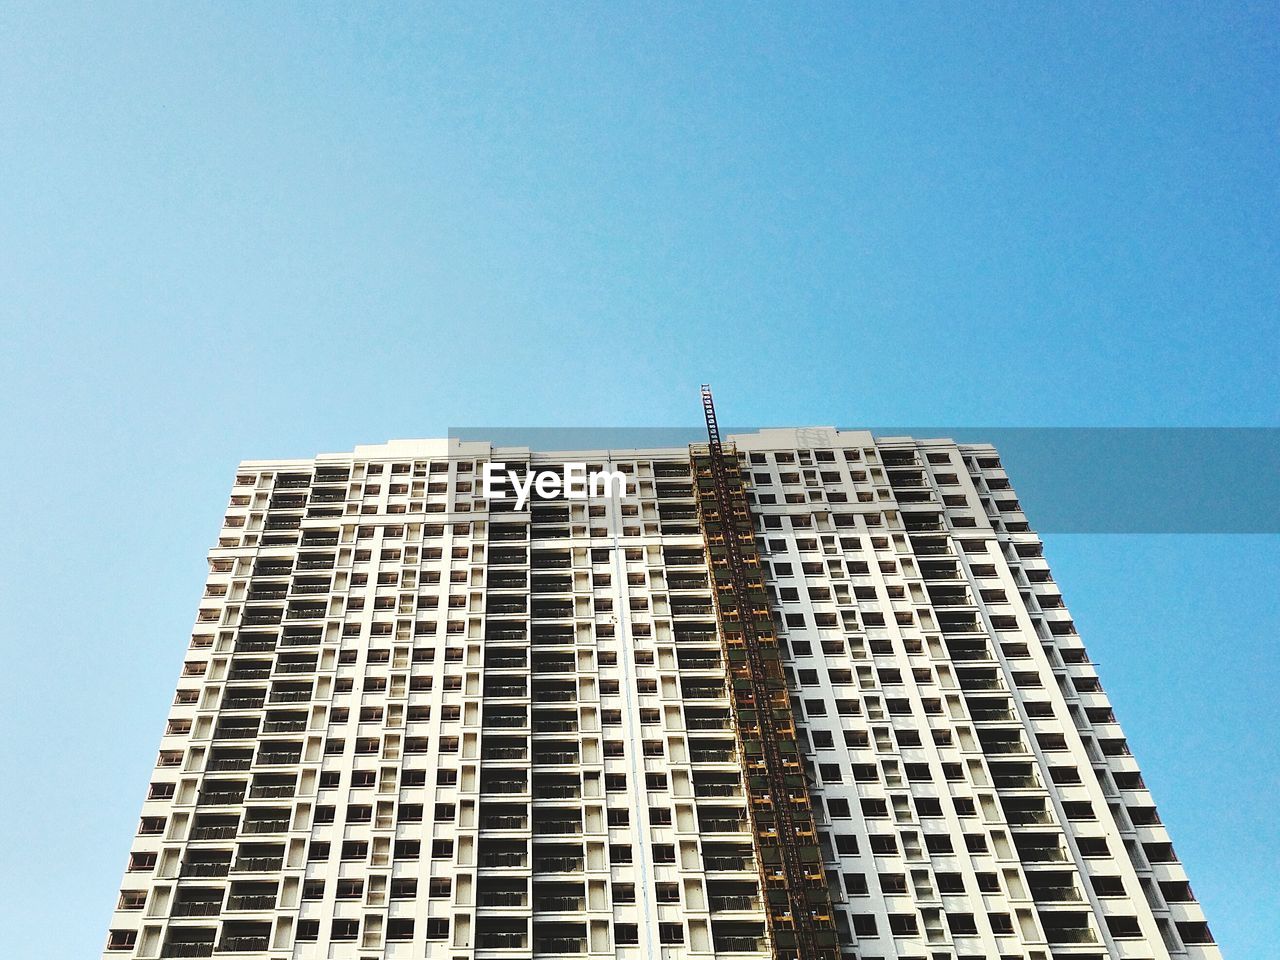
column 234, row 232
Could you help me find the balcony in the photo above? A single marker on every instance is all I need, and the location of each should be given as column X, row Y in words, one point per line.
column 1069, row 934
column 505, row 859
column 215, row 831
column 203, row 948
column 714, row 862
column 500, row 606
column 265, row 826
column 296, row 666
column 557, row 864
column 727, row 944
column 724, row 826
column 255, row 644
column 261, row 594
column 501, row 940
column 289, row 725
column 509, row 691
column 504, row 786
column 225, row 764
column 266, row 901
column 236, row 729
column 271, row 791
column 504, row 753
column 554, row 726
column 560, row 945
column 254, row 944
column 203, row 903
column 258, row 865
column 501, row 898
column 234, row 700
column 278, row 758
column 206, row 868
column 556, row 827
column 293, row 695
column 504, row 822
column 1056, row 894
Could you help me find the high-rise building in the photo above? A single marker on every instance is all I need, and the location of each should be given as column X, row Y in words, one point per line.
column 810, row 694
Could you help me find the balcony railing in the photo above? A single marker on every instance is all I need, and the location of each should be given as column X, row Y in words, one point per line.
column 290, row 696
column 244, row 944
column 1057, row 894
column 197, row 908
column 563, row 757
column 187, row 950
column 204, row 869
column 282, row 726
column 501, row 898
column 226, row 832
column 557, row 864
column 727, row 863
column 503, row 858
column 717, row 790
column 266, row 826
column 258, row 865
column 557, row 826
column 739, row 944
column 229, row 763
column 501, row 941
column 504, row 753
column 1071, row 935
column 504, row 823
column 560, row 945
column 272, row 791
column 560, row 791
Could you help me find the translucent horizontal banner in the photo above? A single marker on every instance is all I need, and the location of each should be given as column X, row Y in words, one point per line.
column 1068, row 479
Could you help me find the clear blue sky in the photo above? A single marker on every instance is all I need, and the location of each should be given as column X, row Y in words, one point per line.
column 238, row 232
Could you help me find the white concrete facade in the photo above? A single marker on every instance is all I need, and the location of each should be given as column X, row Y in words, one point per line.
column 412, row 724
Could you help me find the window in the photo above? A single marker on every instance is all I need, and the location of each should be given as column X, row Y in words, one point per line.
column 938, row 843
column 344, row 929
column 619, row 853
column 400, row 928
column 884, row 845
column 132, row 900
column 893, row 883
column 864, row 925
column 352, row 849
column 350, row 889
column 949, row 882
column 962, row 924
column 438, row 928
column 855, row 884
